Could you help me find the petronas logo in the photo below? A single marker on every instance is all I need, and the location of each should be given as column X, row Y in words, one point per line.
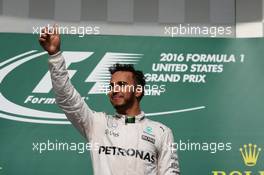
column 250, row 154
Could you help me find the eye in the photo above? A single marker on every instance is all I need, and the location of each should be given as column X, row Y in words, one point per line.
column 110, row 86
column 122, row 83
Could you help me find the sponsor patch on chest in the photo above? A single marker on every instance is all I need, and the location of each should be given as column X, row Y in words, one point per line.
column 148, row 139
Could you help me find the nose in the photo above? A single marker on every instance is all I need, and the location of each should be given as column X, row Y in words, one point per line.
column 114, row 93
column 116, row 88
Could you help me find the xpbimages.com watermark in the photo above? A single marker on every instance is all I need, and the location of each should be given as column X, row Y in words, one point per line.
column 55, row 145
column 124, row 87
column 81, row 31
column 188, row 29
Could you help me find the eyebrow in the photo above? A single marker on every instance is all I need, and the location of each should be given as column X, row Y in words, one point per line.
column 118, row 83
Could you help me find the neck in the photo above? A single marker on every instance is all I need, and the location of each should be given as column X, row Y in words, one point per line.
column 131, row 111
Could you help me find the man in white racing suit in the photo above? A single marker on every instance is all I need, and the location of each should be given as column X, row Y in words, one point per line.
column 128, row 142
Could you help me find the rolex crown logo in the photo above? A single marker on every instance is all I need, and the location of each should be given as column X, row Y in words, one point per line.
column 250, row 154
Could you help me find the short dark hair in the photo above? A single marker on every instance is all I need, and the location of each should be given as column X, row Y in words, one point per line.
column 137, row 74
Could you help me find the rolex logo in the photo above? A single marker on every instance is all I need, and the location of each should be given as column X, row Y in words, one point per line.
column 250, row 154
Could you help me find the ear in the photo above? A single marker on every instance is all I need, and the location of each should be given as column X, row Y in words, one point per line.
column 138, row 91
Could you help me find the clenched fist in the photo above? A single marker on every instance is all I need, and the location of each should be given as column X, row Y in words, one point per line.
column 50, row 40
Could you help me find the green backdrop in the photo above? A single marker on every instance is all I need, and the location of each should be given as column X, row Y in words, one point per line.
column 214, row 109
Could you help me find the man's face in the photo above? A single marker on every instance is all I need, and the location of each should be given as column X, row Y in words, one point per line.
column 122, row 92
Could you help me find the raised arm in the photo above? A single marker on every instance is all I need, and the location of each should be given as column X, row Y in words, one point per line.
column 67, row 97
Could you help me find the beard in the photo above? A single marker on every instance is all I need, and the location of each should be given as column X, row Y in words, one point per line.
column 124, row 104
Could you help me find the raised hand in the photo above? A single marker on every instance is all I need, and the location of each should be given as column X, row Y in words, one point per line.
column 50, row 40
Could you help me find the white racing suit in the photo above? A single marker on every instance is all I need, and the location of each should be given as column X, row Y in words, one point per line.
column 139, row 148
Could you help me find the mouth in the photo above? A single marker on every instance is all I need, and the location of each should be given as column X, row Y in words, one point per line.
column 117, row 97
